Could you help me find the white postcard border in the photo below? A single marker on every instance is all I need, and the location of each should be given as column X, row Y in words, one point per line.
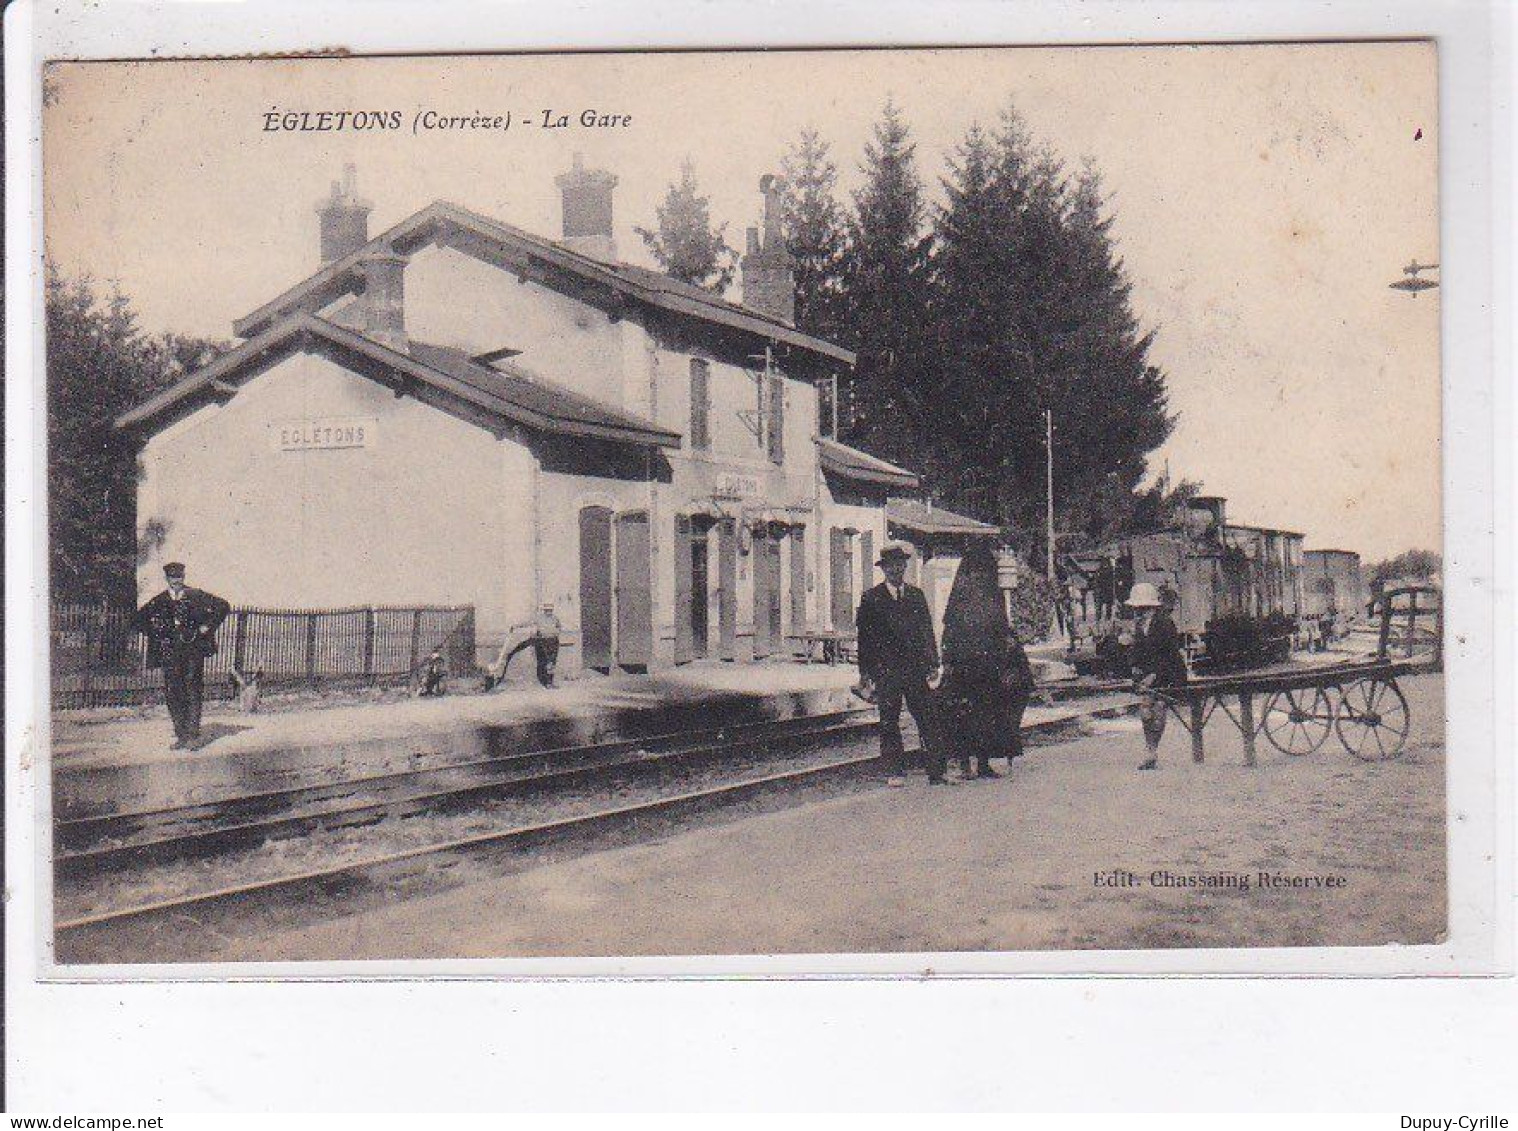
column 1477, row 507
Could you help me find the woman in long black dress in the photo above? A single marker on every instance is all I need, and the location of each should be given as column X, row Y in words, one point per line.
column 987, row 678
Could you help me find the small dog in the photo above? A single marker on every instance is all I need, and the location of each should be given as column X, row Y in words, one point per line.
column 865, row 690
column 249, row 690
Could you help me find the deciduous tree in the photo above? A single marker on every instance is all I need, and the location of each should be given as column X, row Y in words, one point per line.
column 99, row 365
column 1414, row 565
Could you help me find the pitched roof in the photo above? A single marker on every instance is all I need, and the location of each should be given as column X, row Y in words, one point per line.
column 923, row 519
column 534, row 395
column 1262, row 529
column 441, row 219
column 851, row 463
column 509, row 393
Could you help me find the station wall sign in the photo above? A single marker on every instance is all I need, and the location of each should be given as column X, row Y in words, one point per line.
column 732, row 485
column 322, row 433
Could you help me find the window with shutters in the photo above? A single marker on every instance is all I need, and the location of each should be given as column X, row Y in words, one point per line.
column 775, row 425
column 700, row 405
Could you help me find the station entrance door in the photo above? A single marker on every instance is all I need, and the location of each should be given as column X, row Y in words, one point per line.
column 616, row 607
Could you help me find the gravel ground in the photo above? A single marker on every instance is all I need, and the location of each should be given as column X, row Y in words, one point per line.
column 1006, row 865
column 331, row 848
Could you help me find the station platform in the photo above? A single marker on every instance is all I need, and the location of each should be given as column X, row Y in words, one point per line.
column 107, row 764
column 118, row 763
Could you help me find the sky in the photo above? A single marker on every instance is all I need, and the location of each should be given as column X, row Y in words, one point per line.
column 1263, row 198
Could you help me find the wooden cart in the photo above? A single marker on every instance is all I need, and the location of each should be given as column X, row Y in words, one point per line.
column 1297, row 708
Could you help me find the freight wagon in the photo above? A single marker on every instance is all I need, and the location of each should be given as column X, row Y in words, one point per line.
column 1334, row 589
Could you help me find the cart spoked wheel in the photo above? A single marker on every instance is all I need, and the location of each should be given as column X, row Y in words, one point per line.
column 1373, row 719
column 1298, row 720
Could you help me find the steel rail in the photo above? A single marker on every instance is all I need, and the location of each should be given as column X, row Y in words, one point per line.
column 370, row 875
column 218, row 838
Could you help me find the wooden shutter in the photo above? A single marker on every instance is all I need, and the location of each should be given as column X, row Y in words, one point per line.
column 684, row 639
column 841, row 580
column 798, row 580
column 700, row 404
column 777, row 624
column 776, row 428
column 759, row 561
column 727, row 590
column 866, row 560
column 635, row 628
column 700, row 590
column 595, row 587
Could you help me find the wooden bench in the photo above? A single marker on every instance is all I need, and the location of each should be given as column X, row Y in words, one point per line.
column 827, row 646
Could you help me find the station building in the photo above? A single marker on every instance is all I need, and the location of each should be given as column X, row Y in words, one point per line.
column 459, row 412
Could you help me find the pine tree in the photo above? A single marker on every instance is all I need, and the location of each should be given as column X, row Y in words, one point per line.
column 886, row 284
column 686, row 244
column 99, row 365
column 1031, row 313
column 1111, row 401
column 816, row 235
column 984, row 384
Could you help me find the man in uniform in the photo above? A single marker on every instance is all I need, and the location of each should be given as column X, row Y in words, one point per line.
column 180, row 624
column 898, row 656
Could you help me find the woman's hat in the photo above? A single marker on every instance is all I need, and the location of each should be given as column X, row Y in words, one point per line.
column 899, row 550
column 1143, row 596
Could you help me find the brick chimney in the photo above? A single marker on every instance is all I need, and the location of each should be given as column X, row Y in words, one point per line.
column 344, row 218
column 586, row 195
column 769, row 280
column 380, row 311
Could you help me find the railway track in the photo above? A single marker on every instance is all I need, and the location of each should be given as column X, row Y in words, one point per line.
column 89, row 846
column 807, row 752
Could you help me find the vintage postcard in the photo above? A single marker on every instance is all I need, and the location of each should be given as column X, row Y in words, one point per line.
column 961, row 502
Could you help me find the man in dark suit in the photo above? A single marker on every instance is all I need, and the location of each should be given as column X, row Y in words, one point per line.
column 898, row 654
column 180, row 624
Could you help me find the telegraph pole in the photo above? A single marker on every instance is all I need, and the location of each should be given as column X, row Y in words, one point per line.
column 1049, row 496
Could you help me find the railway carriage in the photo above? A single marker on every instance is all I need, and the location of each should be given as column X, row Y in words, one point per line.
column 1226, row 576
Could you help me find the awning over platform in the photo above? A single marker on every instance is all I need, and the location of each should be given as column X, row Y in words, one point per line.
column 851, row 463
column 923, row 518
